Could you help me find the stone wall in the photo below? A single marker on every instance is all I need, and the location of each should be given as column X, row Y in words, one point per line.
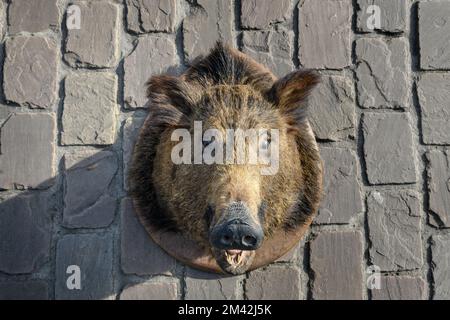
column 73, row 99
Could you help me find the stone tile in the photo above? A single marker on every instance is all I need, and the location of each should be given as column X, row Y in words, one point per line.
column 388, row 148
column 139, row 254
column 33, row 16
column 342, row 194
column 27, row 151
column 215, row 17
column 393, row 16
column 400, row 288
column 157, row 54
column 394, row 230
column 130, row 134
column 90, row 109
column 3, row 23
column 93, row 254
column 331, row 110
column 89, row 201
column 336, row 260
column 25, row 232
column 145, row 16
column 152, row 290
column 30, row 71
column 324, row 28
column 434, row 93
column 434, row 35
column 438, row 182
column 5, row 112
column 441, row 266
column 273, row 49
column 260, row 14
column 382, row 73
column 274, row 283
column 96, row 42
column 205, row 286
column 23, row 290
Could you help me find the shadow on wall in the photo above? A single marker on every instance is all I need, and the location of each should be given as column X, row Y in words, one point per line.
column 71, row 219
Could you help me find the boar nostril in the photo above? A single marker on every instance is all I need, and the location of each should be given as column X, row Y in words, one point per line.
column 249, row 240
column 226, row 239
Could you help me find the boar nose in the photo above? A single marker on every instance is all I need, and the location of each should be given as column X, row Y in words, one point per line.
column 237, row 235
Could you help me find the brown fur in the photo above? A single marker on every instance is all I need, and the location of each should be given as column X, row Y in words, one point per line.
column 226, row 90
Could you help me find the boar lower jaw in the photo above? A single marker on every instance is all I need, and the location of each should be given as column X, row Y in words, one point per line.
column 234, row 261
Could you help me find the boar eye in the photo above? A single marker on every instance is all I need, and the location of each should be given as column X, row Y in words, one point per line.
column 208, row 142
column 264, row 142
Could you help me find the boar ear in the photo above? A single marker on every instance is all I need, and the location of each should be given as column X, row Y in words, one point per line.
column 170, row 101
column 290, row 93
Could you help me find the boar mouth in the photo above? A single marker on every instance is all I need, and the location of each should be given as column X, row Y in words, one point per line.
column 234, row 261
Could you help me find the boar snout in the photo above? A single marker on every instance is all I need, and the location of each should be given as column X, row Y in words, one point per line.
column 237, row 229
